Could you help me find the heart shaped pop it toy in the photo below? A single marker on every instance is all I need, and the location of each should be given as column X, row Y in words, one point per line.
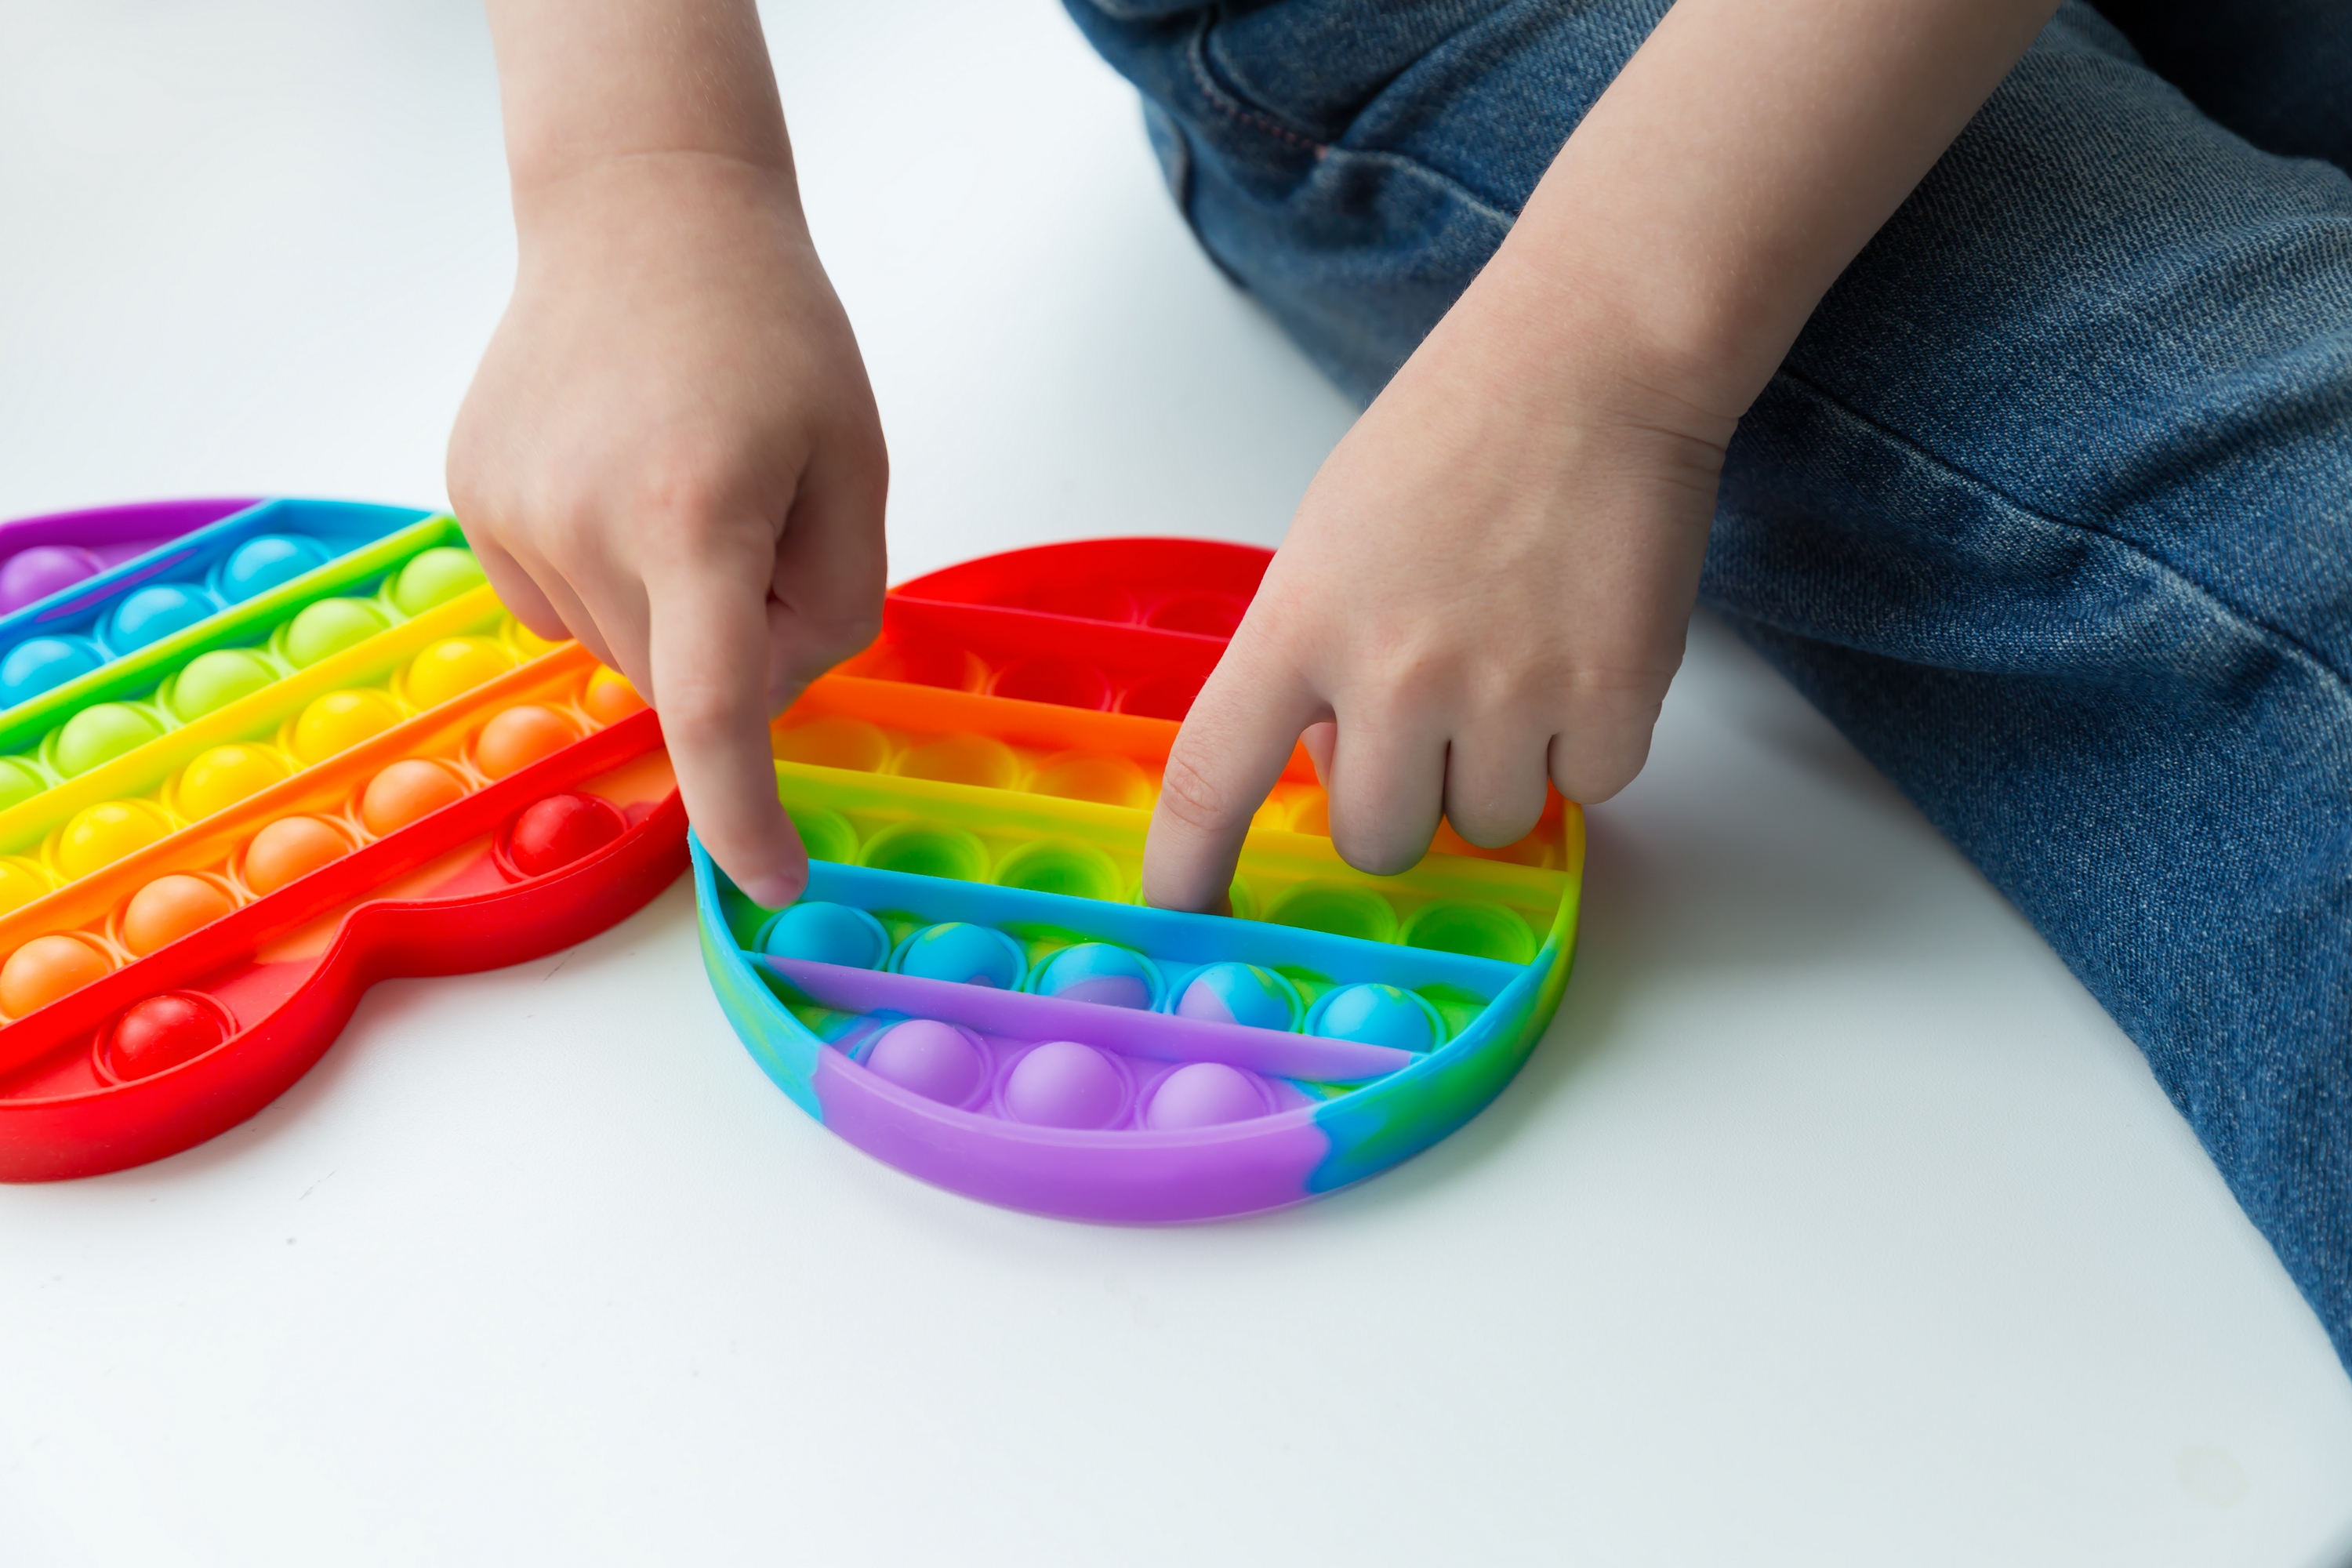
column 968, row 988
column 254, row 756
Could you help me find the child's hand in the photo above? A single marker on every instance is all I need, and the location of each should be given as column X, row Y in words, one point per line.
column 1486, row 588
column 670, row 449
column 1488, row 582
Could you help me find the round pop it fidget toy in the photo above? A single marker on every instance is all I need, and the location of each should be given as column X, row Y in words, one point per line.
column 225, row 724
column 970, row 987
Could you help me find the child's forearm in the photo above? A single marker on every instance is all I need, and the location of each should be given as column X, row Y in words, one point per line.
column 587, row 82
column 1745, row 154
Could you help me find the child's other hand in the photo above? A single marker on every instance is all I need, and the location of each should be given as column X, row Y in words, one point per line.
column 1486, row 589
column 671, row 452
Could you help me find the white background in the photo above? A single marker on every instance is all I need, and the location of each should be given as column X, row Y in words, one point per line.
column 1831, row 1223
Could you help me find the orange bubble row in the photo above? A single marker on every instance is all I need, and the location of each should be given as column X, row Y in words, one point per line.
column 177, row 904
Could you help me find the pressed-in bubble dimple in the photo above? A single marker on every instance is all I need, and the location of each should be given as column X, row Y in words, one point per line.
column 1064, row 682
column 1064, row 1083
column 100, row 734
column 341, row 719
column 261, row 564
column 922, row 850
column 19, row 782
column 40, row 664
column 289, row 847
column 964, row 953
column 981, row 760
column 168, row 909
column 1204, row 1094
column 924, row 664
column 1073, row 870
column 213, row 681
column 406, row 791
column 433, row 577
column 825, row 834
column 329, row 626
column 1100, row 972
column 227, row 775
column 455, row 665
column 155, row 612
column 1480, row 929
column 552, row 833
column 826, row 933
column 1340, row 910
column 1241, row 994
column 99, row 835
column 834, row 742
column 520, row 736
column 1107, row 780
column 163, row 1031
column 21, row 881
column 40, row 571
column 936, row 1060
column 1374, row 1014
column 46, row 968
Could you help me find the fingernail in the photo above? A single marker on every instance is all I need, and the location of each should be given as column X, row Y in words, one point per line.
column 773, row 892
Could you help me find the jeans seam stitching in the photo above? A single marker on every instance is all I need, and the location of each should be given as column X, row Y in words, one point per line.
column 2172, row 574
column 1231, row 107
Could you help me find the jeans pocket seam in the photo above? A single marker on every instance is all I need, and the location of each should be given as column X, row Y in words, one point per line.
column 1226, row 103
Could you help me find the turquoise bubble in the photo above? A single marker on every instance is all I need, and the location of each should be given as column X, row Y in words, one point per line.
column 826, row 933
column 41, row 664
column 1241, row 994
column 1099, row 972
column 965, row 953
column 1376, row 1015
column 263, row 562
column 155, row 612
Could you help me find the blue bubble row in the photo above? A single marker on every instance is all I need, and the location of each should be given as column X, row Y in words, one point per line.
column 1368, row 1012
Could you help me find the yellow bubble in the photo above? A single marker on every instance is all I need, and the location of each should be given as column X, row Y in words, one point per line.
column 531, row 642
column 341, row 719
column 21, row 882
column 103, row 834
column 227, row 775
column 1113, row 780
column 455, row 665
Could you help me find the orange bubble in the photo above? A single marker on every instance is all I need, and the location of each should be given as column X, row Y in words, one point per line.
column 341, row 719
column 289, row 847
column 103, row 834
column 21, row 882
column 406, row 791
column 168, row 909
column 46, row 968
column 455, row 665
column 518, row 738
column 610, row 697
column 227, row 775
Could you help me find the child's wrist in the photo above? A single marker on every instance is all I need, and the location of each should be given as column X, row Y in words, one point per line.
column 611, row 199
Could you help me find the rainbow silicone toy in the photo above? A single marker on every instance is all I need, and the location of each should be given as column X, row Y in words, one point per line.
column 969, row 990
column 254, row 756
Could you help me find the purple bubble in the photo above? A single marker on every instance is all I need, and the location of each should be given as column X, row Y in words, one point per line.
column 938, row 1062
column 1204, row 1094
column 1065, row 1084
column 41, row 571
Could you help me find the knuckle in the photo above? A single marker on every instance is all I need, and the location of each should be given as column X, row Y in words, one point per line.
column 1189, row 797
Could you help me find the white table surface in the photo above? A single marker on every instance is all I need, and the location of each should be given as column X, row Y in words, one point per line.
column 1831, row 1223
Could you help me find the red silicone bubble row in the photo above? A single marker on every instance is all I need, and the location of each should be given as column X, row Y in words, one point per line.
column 1056, row 679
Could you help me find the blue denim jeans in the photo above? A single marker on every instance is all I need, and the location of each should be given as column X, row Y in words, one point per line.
column 2049, row 510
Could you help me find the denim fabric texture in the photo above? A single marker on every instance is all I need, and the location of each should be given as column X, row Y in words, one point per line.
column 2049, row 509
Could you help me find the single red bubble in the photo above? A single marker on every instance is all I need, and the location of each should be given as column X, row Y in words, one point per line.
column 163, row 1031
column 562, row 828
